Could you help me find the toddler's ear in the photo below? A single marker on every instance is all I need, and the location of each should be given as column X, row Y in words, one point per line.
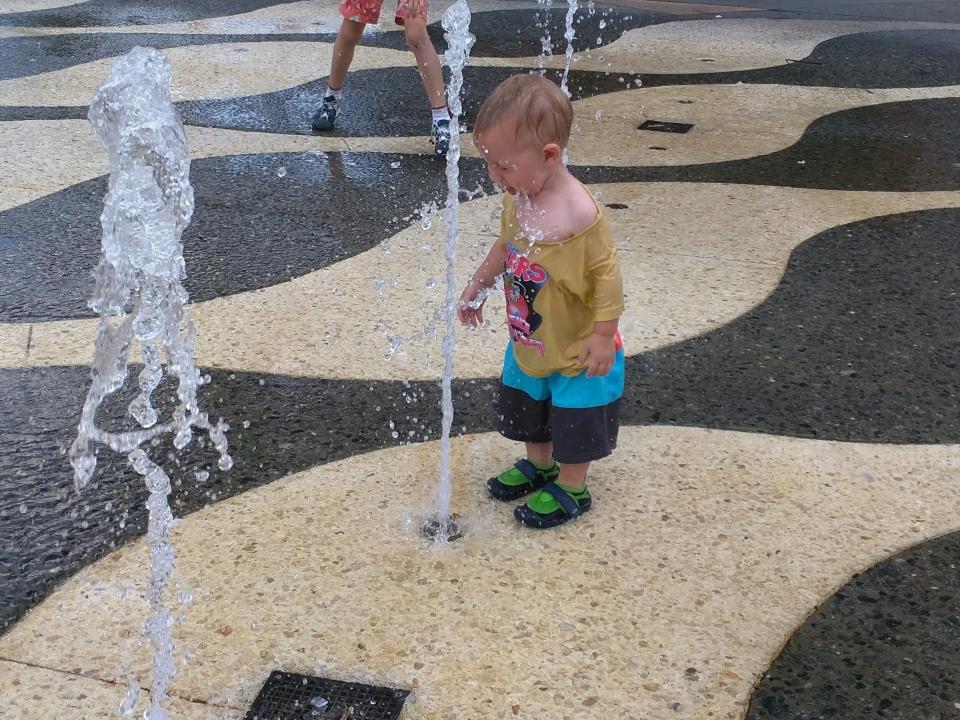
column 552, row 152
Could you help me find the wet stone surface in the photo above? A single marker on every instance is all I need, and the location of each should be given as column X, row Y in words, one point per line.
column 859, row 342
column 279, row 425
column 134, row 12
column 870, row 360
column 251, row 228
column 884, row 646
column 893, row 147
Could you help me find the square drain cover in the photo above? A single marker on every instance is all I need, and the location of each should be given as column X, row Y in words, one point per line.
column 287, row 696
column 665, row 126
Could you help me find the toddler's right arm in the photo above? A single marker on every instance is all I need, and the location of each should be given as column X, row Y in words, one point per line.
column 469, row 310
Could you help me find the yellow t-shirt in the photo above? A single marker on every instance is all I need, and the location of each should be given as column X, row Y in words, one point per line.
column 557, row 292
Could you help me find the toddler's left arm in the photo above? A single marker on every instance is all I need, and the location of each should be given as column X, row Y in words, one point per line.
column 599, row 350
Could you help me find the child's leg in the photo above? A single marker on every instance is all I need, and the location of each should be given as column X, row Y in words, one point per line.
column 524, row 416
column 573, row 476
column 540, row 453
column 347, row 40
column 428, row 63
column 584, row 420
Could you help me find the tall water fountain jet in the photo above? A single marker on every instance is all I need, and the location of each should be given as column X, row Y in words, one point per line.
column 139, row 296
column 456, row 26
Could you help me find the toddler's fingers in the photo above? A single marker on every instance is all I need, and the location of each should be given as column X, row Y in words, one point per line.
column 584, row 354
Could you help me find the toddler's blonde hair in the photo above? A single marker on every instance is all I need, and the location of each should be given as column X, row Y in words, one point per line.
column 529, row 104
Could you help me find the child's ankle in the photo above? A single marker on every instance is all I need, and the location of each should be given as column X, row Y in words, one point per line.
column 549, row 465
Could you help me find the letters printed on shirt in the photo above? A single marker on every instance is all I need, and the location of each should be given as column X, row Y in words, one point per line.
column 521, row 284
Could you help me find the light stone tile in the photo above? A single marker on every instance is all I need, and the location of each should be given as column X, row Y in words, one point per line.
column 37, row 693
column 690, row 559
column 203, row 72
column 18, row 6
column 706, row 46
column 731, row 122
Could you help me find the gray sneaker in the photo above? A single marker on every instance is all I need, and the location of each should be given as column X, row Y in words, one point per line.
column 326, row 116
column 440, row 137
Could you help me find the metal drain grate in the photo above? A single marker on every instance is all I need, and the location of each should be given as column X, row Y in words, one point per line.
column 665, row 126
column 287, row 696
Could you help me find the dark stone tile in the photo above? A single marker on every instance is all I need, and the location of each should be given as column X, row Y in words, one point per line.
column 250, row 229
column 918, row 10
column 894, row 147
column 133, row 12
column 385, row 102
column 48, row 532
column 859, row 342
column 884, row 646
column 382, row 102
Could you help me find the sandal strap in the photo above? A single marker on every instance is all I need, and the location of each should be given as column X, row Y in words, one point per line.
column 529, row 471
column 570, row 506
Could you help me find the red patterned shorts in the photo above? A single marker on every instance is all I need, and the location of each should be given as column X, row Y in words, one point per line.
column 368, row 11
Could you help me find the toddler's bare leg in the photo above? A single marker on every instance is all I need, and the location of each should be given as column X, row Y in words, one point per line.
column 428, row 63
column 540, row 453
column 573, row 476
column 347, row 40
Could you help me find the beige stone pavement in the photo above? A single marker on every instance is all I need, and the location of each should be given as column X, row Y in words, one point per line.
column 703, row 553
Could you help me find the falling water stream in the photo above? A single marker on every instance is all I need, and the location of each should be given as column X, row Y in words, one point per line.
column 140, row 298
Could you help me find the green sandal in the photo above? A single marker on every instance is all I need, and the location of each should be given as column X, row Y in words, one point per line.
column 521, row 479
column 553, row 505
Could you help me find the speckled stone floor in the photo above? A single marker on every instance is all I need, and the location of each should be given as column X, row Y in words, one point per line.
column 775, row 537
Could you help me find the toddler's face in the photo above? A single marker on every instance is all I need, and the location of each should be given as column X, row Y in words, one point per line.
column 515, row 162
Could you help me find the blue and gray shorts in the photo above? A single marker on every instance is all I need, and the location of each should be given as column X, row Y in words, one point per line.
column 579, row 414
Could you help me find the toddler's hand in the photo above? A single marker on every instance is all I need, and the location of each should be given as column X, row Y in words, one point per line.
column 598, row 353
column 469, row 310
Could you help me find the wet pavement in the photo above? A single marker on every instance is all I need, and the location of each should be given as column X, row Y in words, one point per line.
column 791, row 282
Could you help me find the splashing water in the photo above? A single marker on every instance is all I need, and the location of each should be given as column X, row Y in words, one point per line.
column 456, row 25
column 546, row 42
column 139, row 296
column 568, row 36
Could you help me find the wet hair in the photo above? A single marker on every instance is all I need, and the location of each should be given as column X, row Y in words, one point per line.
column 529, row 104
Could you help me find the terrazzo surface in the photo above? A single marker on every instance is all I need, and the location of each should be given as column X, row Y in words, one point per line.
column 775, row 536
